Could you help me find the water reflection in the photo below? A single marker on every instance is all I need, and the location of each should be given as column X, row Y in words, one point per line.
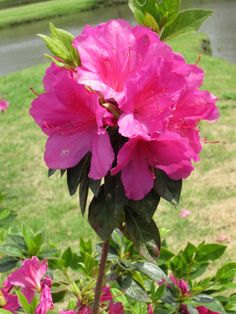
column 20, row 48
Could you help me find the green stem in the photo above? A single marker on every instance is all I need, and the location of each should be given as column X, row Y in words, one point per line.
column 98, row 289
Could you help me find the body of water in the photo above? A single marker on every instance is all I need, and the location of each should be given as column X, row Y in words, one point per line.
column 21, row 48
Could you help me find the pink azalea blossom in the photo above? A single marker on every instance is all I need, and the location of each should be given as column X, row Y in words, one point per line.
column 116, row 308
column 204, row 310
column 106, row 294
column 45, row 302
column 67, row 312
column 181, row 284
column 71, row 117
column 8, row 301
column 185, row 213
column 29, row 276
column 140, row 154
column 4, row 104
column 112, row 52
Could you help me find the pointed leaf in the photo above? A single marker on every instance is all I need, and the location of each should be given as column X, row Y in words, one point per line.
column 186, row 21
column 94, row 186
column 133, row 289
column 84, row 184
column 74, row 177
column 167, row 188
column 146, row 207
column 151, row 270
column 7, row 263
column 102, row 218
column 145, row 235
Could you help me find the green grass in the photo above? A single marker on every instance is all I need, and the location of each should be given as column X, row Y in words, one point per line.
column 43, row 10
column 210, row 193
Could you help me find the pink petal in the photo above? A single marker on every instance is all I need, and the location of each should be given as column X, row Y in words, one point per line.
column 4, row 104
column 102, row 156
column 63, row 152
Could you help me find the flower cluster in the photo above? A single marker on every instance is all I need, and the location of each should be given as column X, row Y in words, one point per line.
column 32, row 280
column 106, row 303
column 131, row 82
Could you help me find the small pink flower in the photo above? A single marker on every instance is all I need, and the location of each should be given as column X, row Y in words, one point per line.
column 116, row 308
column 185, row 213
column 181, row 284
column 204, row 310
column 85, row 310
column 4, row 104
column 150, row 309
column 67, row 312
column 29, row 276
column 106, row 295
column 72, row 118
column 223, row 238
column 8, row 301
column 45, row 302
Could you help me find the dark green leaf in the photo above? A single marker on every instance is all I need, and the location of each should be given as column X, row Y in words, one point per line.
column 74, row 177
column 133, row 289
column 186, row 21
column 102, row 218
column 95, row 186
column 167, row 188
column 146, row 207
column 151, row 270
column 51, row 172
column 7, row 263
column 84, row 184
column 145, row 235
column 114, row 193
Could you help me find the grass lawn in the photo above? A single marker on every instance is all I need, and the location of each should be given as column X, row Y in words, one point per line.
column 210, row 193
column 43, row 10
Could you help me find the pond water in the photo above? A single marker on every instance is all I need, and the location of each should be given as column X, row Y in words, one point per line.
column 21, row 48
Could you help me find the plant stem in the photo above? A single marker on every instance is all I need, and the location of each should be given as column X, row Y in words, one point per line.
column 98, row 289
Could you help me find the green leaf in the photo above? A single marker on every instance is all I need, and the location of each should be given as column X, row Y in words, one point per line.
column 141, row 7
column 132, row 289
column 209, row 252
column 94, row 186
column 226, row 273
column 102, row 218
column 145, row 235
column 51, row 172
column 186, row 21
column 7, row 216
column 7, row 263
column 84, row 184
column 114, row 193
column 151, row 270
column 167, row 188
column 74, row 177
column 2, row 311
column 209, row 302
column 55, row 46
column 23, row 302
column 146, row 207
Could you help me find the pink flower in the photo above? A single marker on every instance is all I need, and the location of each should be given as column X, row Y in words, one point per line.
column 112, row 52
column 142, row 153
column 181, row 284
column 116, row 308
column 67, row 312
column 149, row 99
column 106, row 295
column 71, row 117
column 85, row 310
column 150, row 309
column 45, row 302
column 223, row 238
column 8, row 301
column 185, row 213
column 204, row 310
column 29, row 276
column 3, row 105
